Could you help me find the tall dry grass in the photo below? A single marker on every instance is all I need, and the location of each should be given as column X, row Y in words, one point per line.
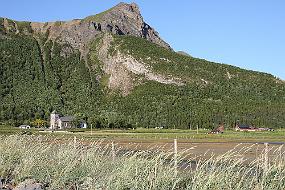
column 67, row 165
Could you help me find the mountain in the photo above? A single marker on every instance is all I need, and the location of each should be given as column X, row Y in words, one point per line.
column 123, row 19
column 183, row 53
column 114, row 70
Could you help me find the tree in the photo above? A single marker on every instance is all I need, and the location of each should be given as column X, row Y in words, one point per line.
column 39, row 123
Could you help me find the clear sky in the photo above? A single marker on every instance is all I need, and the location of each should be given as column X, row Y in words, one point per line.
column 246, row 33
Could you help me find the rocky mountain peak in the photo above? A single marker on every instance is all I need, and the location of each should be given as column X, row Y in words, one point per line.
column 123, row 19
column 133, row 7
column 126, row 19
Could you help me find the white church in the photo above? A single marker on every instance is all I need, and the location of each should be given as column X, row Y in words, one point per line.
column 57, row 122
column 65, row 122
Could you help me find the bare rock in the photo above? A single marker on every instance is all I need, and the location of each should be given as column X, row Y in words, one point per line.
column 126, row 19
column 29, row 184
column 123, row 19
column 122, row 68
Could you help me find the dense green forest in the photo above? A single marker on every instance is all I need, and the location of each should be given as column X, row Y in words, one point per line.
column 38, row 76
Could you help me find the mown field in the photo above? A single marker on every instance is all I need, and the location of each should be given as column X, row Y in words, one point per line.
column 142, row 139
column 159, row 135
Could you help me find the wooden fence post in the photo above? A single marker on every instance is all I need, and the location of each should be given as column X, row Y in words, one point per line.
column 175, row 155
column 113, row 151
column 74, row 142
column 266, row 158
column 280, row 157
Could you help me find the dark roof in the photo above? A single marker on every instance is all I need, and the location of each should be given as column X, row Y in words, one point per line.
column 245, row 126
column 67, row 118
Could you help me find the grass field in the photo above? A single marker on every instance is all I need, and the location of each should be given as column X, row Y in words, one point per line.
column 143, row 139
column 160, row 135
column 187, row 135
column 142, row 159
column 75, row 165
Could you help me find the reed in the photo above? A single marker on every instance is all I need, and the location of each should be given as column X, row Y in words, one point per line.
column 69, row 164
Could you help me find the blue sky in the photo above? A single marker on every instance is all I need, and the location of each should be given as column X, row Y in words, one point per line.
column 246, row 33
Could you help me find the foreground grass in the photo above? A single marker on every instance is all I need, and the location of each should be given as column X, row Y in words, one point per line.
column 72, row 165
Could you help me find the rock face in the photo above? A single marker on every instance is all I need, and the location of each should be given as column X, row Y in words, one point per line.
column 29, row 184
column 126, row 19
column 123, row 19
column 121, row 68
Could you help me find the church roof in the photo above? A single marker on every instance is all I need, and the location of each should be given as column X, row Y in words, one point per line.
column 67, row 118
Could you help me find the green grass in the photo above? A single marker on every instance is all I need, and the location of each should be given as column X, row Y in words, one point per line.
column 9, row 130
column 160, row 135
column 189, row 135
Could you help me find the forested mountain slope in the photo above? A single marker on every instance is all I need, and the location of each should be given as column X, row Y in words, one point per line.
column 115, row 71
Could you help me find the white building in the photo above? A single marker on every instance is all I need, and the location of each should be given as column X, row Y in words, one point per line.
column 24, row 126
column 57, row 122
column 54, row 117
column 83, row 125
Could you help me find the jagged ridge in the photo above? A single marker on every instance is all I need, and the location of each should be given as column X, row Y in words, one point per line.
column 123, row 19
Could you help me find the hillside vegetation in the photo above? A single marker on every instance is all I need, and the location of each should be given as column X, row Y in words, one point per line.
column 212, row 93
column 39, row 75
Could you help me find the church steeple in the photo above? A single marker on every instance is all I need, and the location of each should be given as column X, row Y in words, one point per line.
column 54, row 120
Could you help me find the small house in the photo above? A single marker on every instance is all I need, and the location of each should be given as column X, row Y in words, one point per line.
column 266, row 129
column 219, row 130
column 24, row 126
column 83, row 125
column 242, row 127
